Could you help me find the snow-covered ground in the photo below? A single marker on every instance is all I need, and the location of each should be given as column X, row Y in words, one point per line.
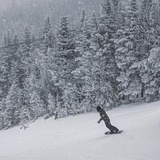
column 81, row 138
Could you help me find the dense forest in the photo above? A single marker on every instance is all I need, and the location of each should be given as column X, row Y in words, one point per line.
column 56, row 64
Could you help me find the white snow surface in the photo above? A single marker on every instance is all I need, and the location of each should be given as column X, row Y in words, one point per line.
column 82, row 138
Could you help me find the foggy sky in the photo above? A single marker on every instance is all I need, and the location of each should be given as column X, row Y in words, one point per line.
column 3, row 4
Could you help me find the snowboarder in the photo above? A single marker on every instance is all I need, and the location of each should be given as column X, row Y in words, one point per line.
column 106, row 120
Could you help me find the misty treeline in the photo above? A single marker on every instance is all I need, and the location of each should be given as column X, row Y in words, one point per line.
column 107, row 58
column 32, row 13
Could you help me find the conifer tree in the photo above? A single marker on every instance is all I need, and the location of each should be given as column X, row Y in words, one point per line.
column 106, row 33
column 150, row 75
column 2, row 113
column 65, row 54
column 7, row 56
column 52, row 107
column 145, row 24
column 47, row 36
column 83, row 60
column 36, row 105
column 152, row 81
column 65, row 50
column 28, row 110
column 127, row 53
column 13, row 106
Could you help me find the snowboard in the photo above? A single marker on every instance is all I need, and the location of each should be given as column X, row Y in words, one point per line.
column 108, row 132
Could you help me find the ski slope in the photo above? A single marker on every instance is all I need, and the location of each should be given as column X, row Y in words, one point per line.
column 81, row 138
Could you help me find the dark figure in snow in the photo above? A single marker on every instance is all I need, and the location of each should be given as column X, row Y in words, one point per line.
column 106, row 120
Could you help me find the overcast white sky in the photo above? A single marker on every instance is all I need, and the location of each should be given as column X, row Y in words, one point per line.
column 5, row 3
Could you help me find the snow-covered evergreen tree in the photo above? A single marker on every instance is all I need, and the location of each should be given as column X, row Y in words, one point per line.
column 13, row 106
column 128, row 53
column 2, row 113
column 150, row 74
column 51, row 106
column 64, row 55
column 7, row 57
column 65, row 51
column 106, row 33
column 47, row 39
column 146, row 29
column 152, row 77
column 36, row 104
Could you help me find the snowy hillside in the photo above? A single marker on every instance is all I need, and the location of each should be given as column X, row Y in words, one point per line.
column 81, row 138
